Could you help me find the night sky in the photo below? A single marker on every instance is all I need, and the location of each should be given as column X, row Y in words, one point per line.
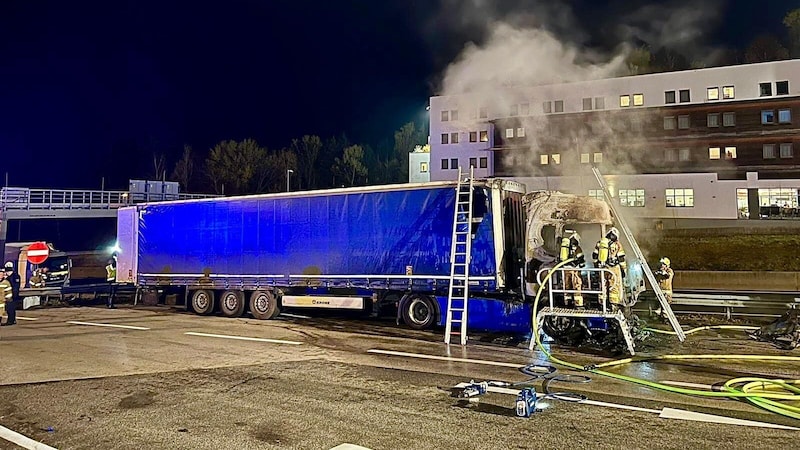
column 90, row 89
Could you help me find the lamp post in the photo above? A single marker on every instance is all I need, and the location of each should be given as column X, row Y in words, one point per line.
column 289, row 172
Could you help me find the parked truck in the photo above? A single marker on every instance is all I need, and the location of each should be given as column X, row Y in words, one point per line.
column 379, row 249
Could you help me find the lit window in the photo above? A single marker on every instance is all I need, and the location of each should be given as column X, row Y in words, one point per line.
column 729, row 119
column 669, row 123
column 484, row 137
column 683, row 122
column 638, row 99
column 473, row 136
column 423, row 167
column 679, row 198
column 730, row 152
column 786, row 197
column 524, row 109
column 547, row 107
column 559, row 104
column 767, row 117
column 624, row 101
column 587, row 104
column 599, row 103
column 713, row 120
column 728, row 92
column 670, row 155
column 769, row 151
column 444, row 164
column 713, row 93
column 669, row 97
column 597, row 194
column 520, row 132
column 782, row 87
column 473, row 162
column 454, row 138
column 765, row 89
column 556, row 157
column 713, row 153
column 684, row 154
column 631, row 197
column 454, row 114
column 787, row 151
column 483, row 112
column 445, row 116
column 484, row 162
column 784, row 116
column 598, row 158
column 584, row 158
column 514, row 110
column 454, row 163
column 509, row 132
column 685, row 96
column 544, row 160
column 445, row 138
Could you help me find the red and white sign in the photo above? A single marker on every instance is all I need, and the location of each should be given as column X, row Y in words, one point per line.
column 38, row 252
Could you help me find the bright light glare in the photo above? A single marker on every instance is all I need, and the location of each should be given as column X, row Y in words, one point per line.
column 115, row 248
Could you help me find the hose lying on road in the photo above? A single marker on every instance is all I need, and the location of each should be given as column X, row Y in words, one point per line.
column 770, row 394
column 707, row 327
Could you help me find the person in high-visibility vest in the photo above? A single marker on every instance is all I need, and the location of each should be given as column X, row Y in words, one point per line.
column 14, row 280
column 571, row 250
column 111, row 278
column 664, row 276
column 5, row 290
column 609, row 254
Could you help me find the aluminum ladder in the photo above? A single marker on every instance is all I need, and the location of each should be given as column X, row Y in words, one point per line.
column 673, row 321
column 460, row 257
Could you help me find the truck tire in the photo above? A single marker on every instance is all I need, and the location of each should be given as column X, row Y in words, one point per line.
column 419, row 312
column 203, row 302
column 263, row 305
column 231, row 303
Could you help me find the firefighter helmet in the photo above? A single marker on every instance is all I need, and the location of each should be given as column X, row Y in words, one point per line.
column 613, row 234
column 664, row 261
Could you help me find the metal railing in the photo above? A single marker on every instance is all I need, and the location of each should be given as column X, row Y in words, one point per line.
column 60, row 199
column 594, row 283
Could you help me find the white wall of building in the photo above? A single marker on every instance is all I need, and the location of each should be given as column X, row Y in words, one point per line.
column 419, row 167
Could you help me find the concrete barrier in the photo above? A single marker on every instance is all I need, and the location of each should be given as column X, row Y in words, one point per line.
column 737, row 281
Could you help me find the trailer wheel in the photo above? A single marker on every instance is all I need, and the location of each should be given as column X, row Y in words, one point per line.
column 419, row 312
column 263, row 305
column 203, row 301
column 231, row 303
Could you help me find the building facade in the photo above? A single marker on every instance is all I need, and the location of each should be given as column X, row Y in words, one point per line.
column 717, row 143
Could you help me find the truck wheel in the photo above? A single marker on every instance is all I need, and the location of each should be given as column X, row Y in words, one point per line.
column 419, row 312
column 263, row 305
column 203, row 302
column 231, row 303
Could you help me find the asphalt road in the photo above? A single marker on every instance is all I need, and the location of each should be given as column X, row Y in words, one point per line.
column 170, row 381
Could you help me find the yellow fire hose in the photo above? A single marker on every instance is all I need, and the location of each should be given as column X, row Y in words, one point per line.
column 770, row 394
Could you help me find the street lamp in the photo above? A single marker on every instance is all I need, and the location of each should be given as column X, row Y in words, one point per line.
column 289, row 172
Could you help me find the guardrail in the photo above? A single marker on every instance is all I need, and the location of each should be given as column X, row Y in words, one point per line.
column 729, row 304
column 61, row 199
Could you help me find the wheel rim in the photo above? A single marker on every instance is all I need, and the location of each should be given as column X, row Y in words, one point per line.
column 560, row 325
column 262, row 303
column 201, row 301
column 419, row 311
column 231, row 302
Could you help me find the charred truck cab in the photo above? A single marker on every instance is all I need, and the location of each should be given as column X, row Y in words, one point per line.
column 377, row 249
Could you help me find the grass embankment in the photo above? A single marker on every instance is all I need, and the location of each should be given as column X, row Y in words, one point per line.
column 767, row 252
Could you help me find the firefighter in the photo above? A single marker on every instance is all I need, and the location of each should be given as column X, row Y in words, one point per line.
column 111, row 279
column 5, row 290
column 664, row 277
column 609, row 254
column 37, row 281
column 571, row 250
column 13, row 279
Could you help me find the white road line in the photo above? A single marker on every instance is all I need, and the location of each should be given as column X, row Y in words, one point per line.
column 27, row 318
column 128, row 327
column 243, row 338
column 296, row 316
column 22, row 441
column 445, row 358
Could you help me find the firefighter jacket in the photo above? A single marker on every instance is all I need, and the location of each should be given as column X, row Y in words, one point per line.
column 664, row 277
column 6, row 290
column 14, row 280
column 616, row 255
column 111, row 273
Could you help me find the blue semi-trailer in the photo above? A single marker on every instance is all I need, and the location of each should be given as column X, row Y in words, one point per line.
column 377, row 249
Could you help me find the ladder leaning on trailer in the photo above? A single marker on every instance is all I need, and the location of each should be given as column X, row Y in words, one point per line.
column 460, row 257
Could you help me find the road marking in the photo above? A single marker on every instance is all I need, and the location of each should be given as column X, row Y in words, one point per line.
column 129, row 327
column 27, row 318
column 22, row 441
column 680, row 414
column 346, row 446
column 445, row 358
column 242, row 338
column 296, row 316
column 690, row 385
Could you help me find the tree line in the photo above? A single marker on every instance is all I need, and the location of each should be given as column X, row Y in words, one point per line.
column 763, row 48
column 246, row 167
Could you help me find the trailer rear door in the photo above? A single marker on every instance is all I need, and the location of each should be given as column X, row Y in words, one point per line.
column 128, row 242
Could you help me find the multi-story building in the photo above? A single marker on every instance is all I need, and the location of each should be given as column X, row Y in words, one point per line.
column 717, row 143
